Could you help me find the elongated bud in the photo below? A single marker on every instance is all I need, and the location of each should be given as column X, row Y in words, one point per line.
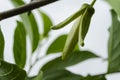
column 72, row 39
column 71, row 18
column 84, row 24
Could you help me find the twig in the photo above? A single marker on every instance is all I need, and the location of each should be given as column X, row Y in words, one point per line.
column 24, row 8
column 37, row 58
column 93, row 2
column 37, row 55
column 34, row 63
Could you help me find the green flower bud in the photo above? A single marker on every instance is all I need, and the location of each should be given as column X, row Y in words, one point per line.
column 84, row 23
column 71, row 18
column 72, row 39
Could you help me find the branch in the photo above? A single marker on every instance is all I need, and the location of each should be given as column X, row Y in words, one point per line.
column 24, row 8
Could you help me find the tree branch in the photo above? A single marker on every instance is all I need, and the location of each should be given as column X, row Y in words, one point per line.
column 24, row 8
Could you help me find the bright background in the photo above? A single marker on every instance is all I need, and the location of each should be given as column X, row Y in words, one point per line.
column 96, row 40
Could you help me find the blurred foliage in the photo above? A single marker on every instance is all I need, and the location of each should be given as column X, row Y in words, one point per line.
column 54, row 69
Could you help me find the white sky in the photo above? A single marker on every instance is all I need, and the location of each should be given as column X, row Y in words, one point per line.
column 96, row 40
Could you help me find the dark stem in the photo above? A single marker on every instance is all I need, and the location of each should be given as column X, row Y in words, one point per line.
column 93, row 2
column 24, row 8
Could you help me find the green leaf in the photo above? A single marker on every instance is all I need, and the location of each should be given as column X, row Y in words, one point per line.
column 115, row 4
column 2, row 43
column 30, row 25
column 114, row 45
column 98, row 77
column 35, row 32
column 66, row 75
column 11, row 72
column 76, row 57
column 47, row 23
column 57, row 45
column 19, row 46
column 31, row 78
column 39, row 76
column 61, row 75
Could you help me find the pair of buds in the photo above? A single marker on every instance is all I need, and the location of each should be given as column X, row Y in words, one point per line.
column 79, row 28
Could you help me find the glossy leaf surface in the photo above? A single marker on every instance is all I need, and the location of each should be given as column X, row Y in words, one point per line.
column 11, row 72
